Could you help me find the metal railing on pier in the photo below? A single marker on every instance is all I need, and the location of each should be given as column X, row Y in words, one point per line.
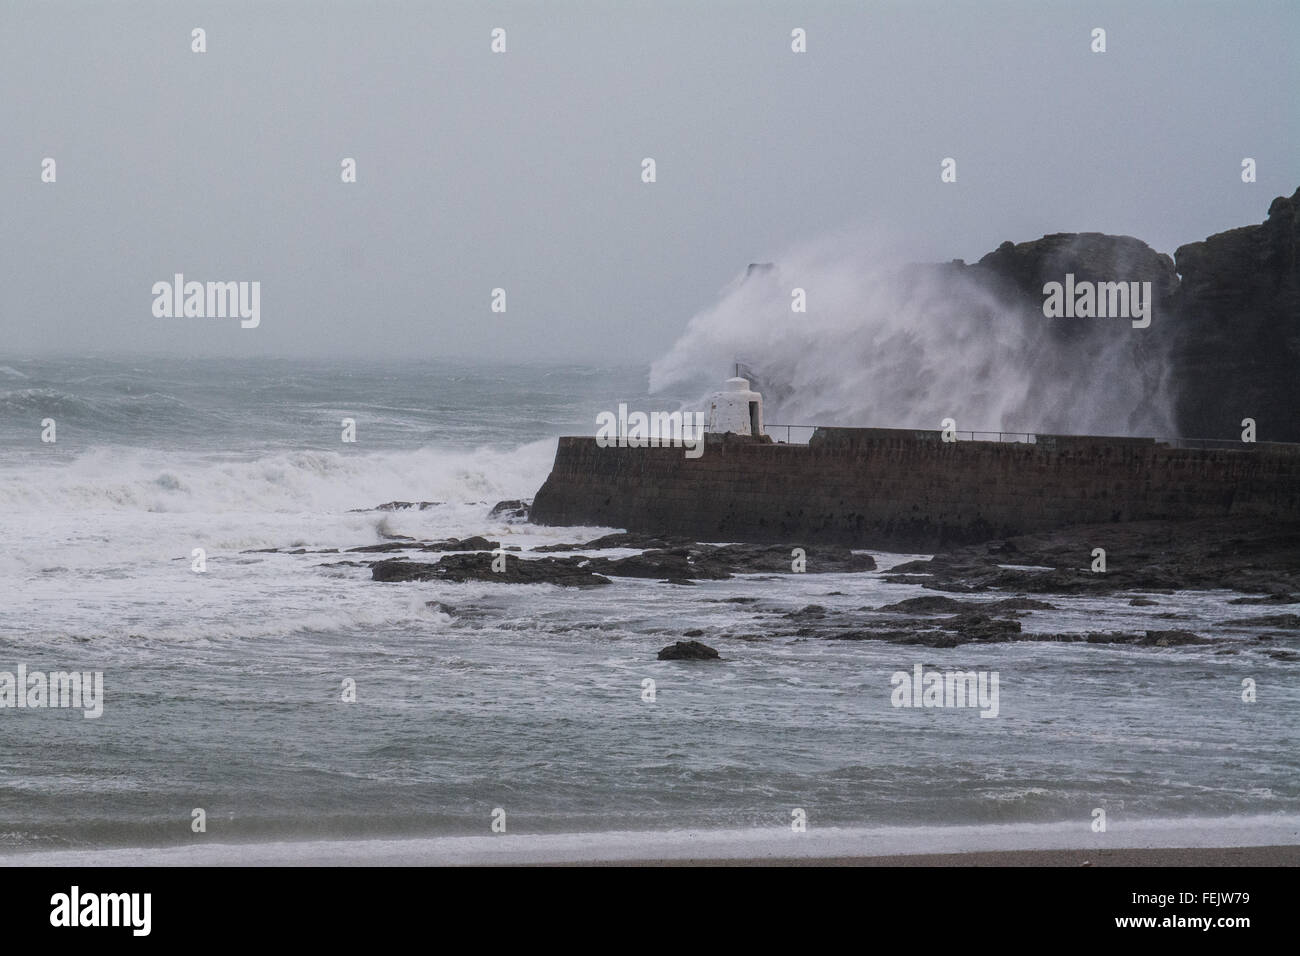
column 961, row 436
column 811, row 428
column 1031, row 438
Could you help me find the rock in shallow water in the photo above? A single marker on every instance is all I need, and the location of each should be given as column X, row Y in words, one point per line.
column 1252, row 555
column 677, row 559
column 516, row 509
column 399, row 506
column 478, row 566
column 688, row 651
column 476, row 543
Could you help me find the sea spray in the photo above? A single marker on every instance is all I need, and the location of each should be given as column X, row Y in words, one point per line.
column 887, row 344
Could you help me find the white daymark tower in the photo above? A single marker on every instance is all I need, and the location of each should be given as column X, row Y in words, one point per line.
column 736, row 409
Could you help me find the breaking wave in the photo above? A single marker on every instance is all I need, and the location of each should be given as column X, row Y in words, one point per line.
column 884, row 344
column 111, row 478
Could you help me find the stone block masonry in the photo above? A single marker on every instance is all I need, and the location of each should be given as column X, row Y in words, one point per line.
column 897, row 489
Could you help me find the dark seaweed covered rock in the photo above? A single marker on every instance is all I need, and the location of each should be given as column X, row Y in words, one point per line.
column 719, row 562
column 475, row 543
column 478, row 567
column 1245, row 554
column 400, row 506
column 688, row 651
column 516, row 509
column 1279, row 598
column 675, row 564
column 1285, row 621
column 621, row 539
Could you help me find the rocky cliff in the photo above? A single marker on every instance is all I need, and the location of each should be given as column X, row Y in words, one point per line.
column 1225, row 344
column 1236, row 349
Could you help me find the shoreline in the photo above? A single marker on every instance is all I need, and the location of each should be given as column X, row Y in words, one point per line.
column 1224, row 841
column 1249, row 856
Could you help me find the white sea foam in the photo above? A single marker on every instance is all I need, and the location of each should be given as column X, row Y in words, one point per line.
column 108, row 478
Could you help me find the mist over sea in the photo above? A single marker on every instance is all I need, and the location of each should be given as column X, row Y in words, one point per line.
column 223, row 689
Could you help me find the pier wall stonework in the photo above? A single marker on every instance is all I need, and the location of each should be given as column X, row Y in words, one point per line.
column 902, row 489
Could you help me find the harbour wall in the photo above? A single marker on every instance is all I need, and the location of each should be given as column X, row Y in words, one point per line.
column 909, row 490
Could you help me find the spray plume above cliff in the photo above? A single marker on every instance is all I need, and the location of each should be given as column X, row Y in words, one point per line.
column 883, row 343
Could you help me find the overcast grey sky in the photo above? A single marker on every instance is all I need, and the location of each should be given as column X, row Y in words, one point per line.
column 523, row 170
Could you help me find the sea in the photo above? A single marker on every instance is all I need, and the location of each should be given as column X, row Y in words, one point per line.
column 279, row 705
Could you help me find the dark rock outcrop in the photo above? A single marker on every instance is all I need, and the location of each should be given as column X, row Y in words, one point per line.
column 1225, row 339
column 1151, row 639
column 1237, row 350
column 1268, row 599
column 1249, row 555
column 688, row 651
column 676, row 564
column 981, row 629
column 475, row 543
column 1285, row 621
column 478, row 567
column 380, row 548
column 1023, row 268
column 621, row 539
column 400, row 506
column 945, row 605
column 472, row 543
column 515, row 509
column 683, row 560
